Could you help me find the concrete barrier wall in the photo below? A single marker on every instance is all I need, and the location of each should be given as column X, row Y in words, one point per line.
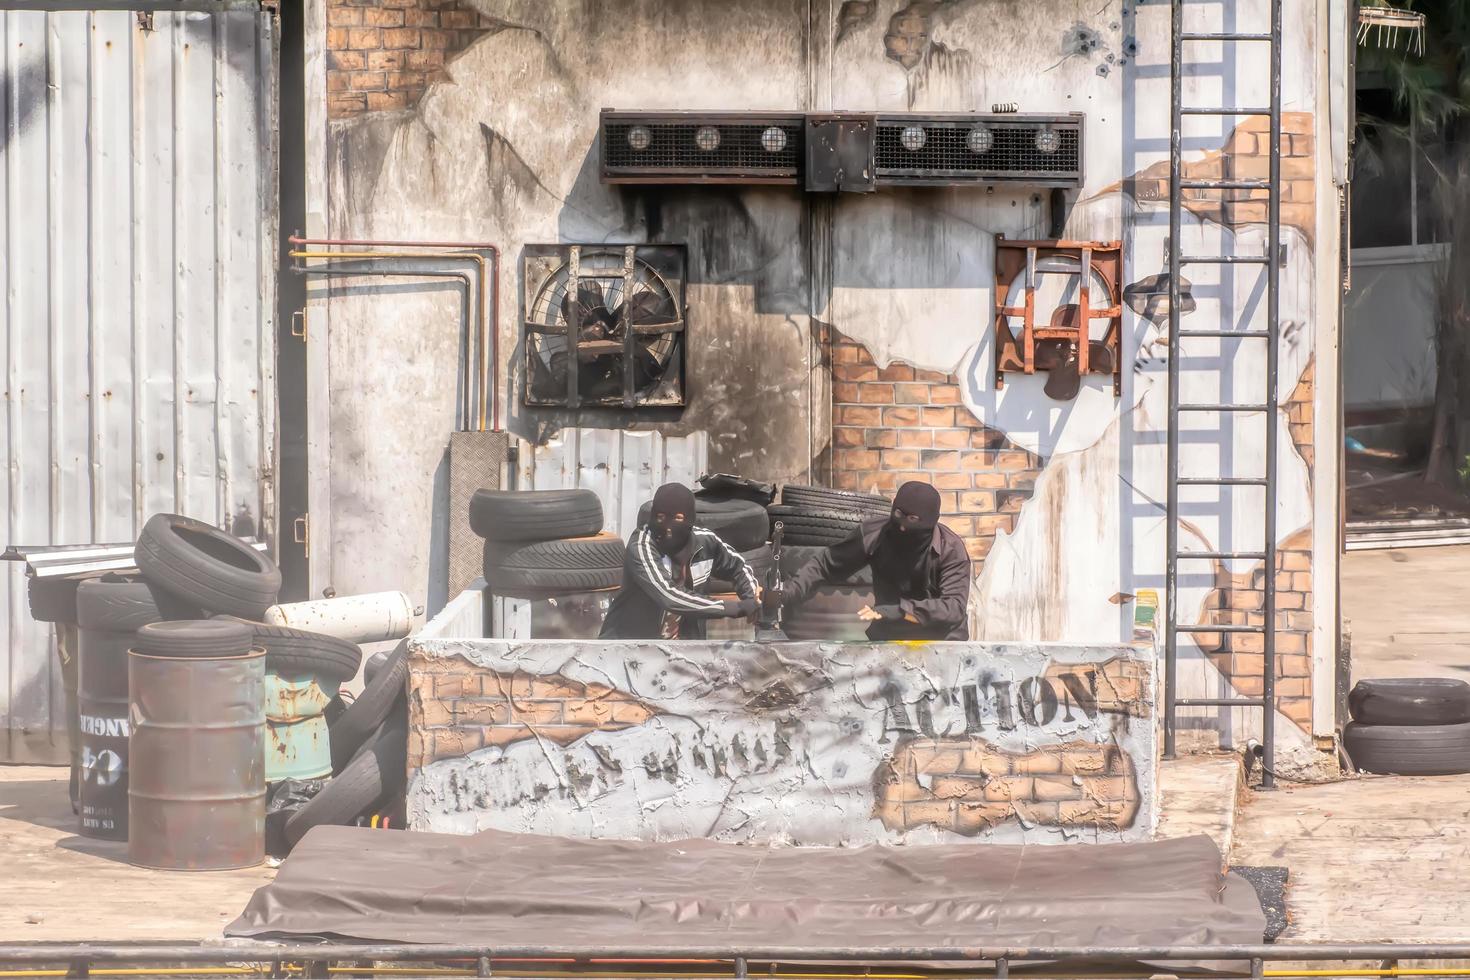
column 809, row 743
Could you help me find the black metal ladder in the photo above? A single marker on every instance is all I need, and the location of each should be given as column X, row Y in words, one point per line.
column 1267, row 407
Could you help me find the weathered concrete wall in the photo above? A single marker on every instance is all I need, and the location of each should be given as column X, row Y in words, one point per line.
column 807, row 743
column 503, row 148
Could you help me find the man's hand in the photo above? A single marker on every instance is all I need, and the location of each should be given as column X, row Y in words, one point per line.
column 740, row 608
column 870, row 615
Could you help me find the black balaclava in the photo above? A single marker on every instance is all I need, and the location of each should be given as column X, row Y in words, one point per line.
column 671, row 535
column 911, row 526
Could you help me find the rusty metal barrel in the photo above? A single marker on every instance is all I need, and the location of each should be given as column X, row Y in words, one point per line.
column 197, row 788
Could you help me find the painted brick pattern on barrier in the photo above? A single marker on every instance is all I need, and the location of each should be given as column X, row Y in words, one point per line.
column 383, row 54
column 466, row 711
column 900, row 423
column 967, row 785
column 1240, row 600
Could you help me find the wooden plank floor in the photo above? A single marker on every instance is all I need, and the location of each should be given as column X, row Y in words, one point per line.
column 56, row 886
column 1378, row 858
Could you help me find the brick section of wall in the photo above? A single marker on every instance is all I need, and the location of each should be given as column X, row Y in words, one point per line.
column 468, row 709
column 1241, row 657
column 1245, row 156
column 1299, row 416
column 382, row 54
column 901, row 423
column 967, row 785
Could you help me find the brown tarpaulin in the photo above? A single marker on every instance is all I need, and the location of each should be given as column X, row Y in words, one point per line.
column 519, row 890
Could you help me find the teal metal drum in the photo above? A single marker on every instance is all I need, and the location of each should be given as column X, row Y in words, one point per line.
column 297, row 745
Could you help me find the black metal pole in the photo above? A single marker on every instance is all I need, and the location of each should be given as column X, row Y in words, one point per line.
column 1171, row 520
column 1273, row 327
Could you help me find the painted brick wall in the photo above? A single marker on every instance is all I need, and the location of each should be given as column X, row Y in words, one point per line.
column 901, row 423
column 1239, row 599
column 382, row 54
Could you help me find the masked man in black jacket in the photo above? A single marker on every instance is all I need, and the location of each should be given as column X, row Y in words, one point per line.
column 666, row 568
column 921, row 571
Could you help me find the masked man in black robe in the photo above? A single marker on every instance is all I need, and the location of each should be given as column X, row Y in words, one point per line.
column 921, row 571
column 666, row 569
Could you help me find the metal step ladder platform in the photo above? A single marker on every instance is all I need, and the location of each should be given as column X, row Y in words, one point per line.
column 1267, row 407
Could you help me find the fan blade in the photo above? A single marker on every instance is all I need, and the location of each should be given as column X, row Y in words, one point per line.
column 1063, row 382
column 649, row 307
column 589, row 298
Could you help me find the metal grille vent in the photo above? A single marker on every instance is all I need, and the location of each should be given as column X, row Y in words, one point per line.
column 675, row 147
column 946, row 153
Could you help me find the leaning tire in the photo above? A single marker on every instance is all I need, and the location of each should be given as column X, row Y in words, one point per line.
column 535, row 515
column 374, row 665
column 535, row 569
column 366, row 714
column 825, row 498
column 819, row 528
column 205, row 639
column 829, row 614
column 742, row 524
column 795, row 556
column 53, row 600
column 760, row 560
column 374, row 775
column 204, row 566
column 293, row 651
column 116, row 604
column 1410, row 701
column 1408, row 750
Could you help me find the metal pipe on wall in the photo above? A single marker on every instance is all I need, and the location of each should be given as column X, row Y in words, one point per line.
column 490, row 320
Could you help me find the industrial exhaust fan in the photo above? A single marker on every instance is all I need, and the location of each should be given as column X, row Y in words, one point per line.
column 847, row 151
column 604, row 326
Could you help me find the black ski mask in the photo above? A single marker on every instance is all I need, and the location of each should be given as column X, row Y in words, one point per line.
column 911, row 525
column 671, row 518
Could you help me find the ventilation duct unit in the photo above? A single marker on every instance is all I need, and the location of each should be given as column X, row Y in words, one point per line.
column 1010, row 148
column 701, row 147
column 846, row 151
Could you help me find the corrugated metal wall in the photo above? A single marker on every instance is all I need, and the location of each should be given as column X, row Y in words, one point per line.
column 138, row 210
column 623, row 467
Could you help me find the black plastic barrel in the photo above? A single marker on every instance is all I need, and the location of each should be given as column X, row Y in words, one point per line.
column 102, row 697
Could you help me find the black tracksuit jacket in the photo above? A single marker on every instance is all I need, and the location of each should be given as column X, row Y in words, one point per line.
column 648, row 591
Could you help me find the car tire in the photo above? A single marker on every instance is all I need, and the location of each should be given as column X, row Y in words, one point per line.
column 816, row 528
column 373, row 665
column 204, row 639
column 1410, row 701
column 535, row 515
column 293, row 651
column 1408, row 750
column 830, row 613
column 794, row 558
column 116, row 604
column 366, row 714
column 204, row 566
column 374, row 775
column 825, row 498
column 53, row 600
column 536, row 569
column 742, row 524
column 760, row 560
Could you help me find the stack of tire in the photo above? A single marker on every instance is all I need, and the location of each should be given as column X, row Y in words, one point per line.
column 1409, row 726
column 540, row 544
column 812, row 519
